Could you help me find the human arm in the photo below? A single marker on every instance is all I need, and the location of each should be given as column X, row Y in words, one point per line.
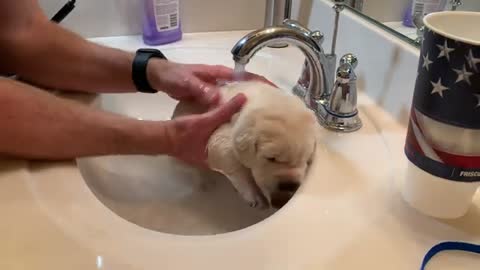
column 38, row 125
column 45, row 54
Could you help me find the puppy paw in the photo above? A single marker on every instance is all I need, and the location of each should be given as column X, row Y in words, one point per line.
column 244, row 184
column 256, row 200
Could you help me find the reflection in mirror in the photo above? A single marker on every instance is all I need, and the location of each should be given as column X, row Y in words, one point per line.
column 404, row 18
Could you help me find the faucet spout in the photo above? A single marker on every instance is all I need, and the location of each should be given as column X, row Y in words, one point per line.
column 294, row 34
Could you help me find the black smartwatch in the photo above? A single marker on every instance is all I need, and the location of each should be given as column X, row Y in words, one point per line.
column 139, row 69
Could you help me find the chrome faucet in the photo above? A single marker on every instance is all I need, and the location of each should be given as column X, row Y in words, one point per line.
column 276, row 11
column 331, row 93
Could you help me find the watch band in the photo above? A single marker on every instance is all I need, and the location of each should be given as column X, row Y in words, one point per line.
column 139, row 69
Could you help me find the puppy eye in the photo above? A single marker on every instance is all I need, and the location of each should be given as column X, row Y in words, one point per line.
column 271, row 159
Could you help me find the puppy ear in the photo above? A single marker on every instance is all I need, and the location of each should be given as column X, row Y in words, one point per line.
column 245, row 141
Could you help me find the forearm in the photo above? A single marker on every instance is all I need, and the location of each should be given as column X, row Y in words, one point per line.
column 38, row 125
column 46, row 54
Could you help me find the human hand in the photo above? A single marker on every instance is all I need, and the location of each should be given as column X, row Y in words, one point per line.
column 187, row 82
column 188, row 135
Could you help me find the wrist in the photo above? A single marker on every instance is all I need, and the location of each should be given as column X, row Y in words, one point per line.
column 148, row 138
column 155, row 68
column 140, row 69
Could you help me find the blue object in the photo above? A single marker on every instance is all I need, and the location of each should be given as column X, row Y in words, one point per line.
column 444, row 246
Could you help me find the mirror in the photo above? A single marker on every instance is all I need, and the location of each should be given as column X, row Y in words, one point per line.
column 400, row 17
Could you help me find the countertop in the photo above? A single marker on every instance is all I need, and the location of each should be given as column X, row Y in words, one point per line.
column 42, row 229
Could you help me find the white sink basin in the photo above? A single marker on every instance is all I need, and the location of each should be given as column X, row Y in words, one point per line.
column 152, row 193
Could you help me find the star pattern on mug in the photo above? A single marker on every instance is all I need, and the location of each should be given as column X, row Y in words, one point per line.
column 478, row 100
column 438, row 87
column 447, row 87
column 463, row 75
column 445, row 50
column 472, row 60
column 426, row 62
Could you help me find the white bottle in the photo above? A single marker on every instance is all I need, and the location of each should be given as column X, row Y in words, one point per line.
column 424, row 7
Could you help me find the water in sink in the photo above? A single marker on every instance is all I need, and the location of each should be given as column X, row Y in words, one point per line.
column 152, row 193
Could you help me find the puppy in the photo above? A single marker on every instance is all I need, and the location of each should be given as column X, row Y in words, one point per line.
column 266, row 148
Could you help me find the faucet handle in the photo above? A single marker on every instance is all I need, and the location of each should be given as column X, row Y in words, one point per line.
column 343, row 100
column 349, row 58
column 297, row 26
column 345, row 75
column 318, row 37
column 340, row 3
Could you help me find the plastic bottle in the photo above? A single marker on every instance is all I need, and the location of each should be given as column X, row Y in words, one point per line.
column 425, row 7
column 161, row 21
column 408, row 16
column 420, row 8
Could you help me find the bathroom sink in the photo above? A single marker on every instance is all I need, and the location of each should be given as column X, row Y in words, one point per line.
column 131, row 212
column 148, row 190
column 152, row 193
column 138, row 212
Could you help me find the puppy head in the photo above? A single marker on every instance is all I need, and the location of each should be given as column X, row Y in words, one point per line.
column 276, row 141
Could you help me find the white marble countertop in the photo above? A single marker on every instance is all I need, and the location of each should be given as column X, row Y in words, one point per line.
column 51, row 220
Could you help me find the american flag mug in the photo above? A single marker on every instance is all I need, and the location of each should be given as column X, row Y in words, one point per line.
column 443, row 138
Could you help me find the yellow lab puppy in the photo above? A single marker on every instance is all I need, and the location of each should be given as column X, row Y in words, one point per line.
column 266, row 149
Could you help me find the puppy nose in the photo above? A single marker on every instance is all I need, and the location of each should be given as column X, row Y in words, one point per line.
column 280, row 198
column 286, row 188
column 288, row 185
